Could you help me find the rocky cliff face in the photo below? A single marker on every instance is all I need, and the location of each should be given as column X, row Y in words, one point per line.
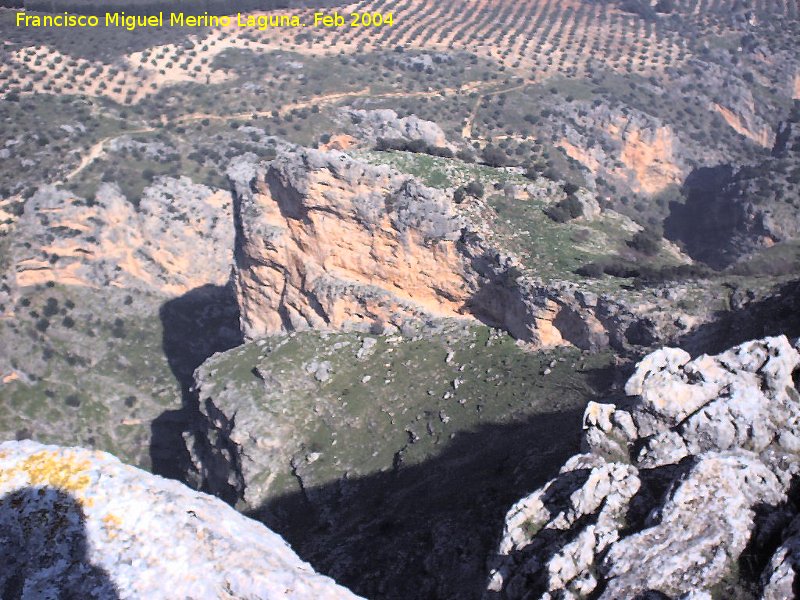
column 78, row 523
column 686, row 487
column 180, row 237
column 105, row 302
column 639, row 150
column 326, row 241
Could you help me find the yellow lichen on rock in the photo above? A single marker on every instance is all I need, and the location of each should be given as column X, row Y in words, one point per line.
column 65, row 471
column 112, row 524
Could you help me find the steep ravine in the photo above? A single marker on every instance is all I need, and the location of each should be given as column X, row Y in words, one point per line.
column 731, row 212
column 325, row 242
column 364, row 298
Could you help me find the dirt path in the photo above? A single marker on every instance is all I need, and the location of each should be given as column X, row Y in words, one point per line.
column 317, row 100
column 325, row 99
column 98, row 148
column 466, row 132
column 96, row 151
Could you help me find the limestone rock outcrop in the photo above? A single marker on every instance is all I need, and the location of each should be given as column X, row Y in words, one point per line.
column 638, row 150
column 385, row 123
column 179, row 237
column 780, row 576
column 80, row 524
column 327, row 241
column 693, row 469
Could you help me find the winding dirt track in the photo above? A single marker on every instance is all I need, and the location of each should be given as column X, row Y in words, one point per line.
column 466, row 132
column 330, row 99
column 97, row 149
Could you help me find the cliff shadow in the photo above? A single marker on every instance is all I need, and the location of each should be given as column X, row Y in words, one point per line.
column 498, row 302
column 195, row 326
column 706, row 221
column 776, row 315
column 425, row 530
column 44, row 549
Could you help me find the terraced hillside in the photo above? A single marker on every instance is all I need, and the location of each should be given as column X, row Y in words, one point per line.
column 574, row 89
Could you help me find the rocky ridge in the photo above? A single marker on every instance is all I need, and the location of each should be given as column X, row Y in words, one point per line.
column 692, row 472
column 326, row 241
column 79, row 523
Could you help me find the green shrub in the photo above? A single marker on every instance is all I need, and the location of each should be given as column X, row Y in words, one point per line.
column 566, row 210
column 475, row 189
column 494, row 156
column 647, row 241
column 466, row 155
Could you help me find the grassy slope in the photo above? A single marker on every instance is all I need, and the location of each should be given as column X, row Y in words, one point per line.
column 96, row 383
column 372, row 407
column 389, row 449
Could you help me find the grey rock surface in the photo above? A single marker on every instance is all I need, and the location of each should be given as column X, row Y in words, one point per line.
column 385, row 123
column 176, row 237
column 780, row 576
column 674, row 486
column 78, row 523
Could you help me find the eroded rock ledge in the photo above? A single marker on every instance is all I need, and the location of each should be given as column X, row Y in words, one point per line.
column 326, row 241
column 80, row 524
column 178, row 237
column 685, row 489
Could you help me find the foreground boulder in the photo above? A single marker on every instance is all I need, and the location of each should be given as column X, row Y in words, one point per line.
column 80, row 524
column 686, row 481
